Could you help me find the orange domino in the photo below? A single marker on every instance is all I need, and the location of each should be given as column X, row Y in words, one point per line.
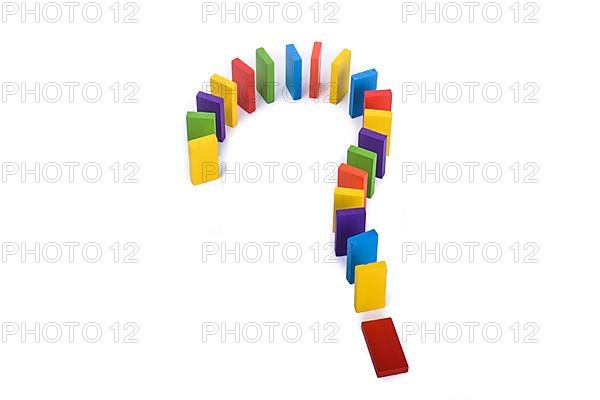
column 315, row 71
column 378, row 100
column 352, row 177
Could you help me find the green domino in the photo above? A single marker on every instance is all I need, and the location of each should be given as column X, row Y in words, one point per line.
column 265, row 75
column 200, row 124
column 367, row 161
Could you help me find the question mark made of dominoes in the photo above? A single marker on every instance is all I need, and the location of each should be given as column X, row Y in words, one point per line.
column 206, row 128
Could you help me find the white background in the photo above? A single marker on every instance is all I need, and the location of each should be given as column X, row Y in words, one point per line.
column 171, row 294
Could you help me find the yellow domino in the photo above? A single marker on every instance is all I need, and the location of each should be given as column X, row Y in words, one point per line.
column 369, row 286
column 227, row 90
column 340, row 76
column 379, row 121
column 344, row 198
column 204, row 159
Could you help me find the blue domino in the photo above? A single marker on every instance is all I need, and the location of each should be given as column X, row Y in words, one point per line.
column 359, row 83
column 362, row 249
column 293, row 71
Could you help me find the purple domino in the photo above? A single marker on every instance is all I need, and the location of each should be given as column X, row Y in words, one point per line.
column 377, row 143
column 348, row 222
column 206, row 102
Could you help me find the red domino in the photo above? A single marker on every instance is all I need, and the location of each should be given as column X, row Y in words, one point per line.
column 243, row 75
column 384, row 347
column 352, row 177
column 378, row 100
column 315, row 71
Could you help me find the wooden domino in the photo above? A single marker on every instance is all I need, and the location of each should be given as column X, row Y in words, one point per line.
column 384, row 347
column 265, row 75
column 204, row 159
column 349, row 222
column 200, row 124
column 370, row 286
column 359, row 84
column 243, row 76
column 378, row 99
column 293, row 72
column 365, row 160
column 227, row 90
column 379, row 121
column 361, row 249
column 344, row 198
column 377, row 143
column 206, row 102
column 340, row 76
column 315, row 71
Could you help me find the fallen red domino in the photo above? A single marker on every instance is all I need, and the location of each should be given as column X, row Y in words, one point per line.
column 384, row 347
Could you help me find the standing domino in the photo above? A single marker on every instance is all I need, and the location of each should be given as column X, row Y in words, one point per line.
column 340, row 76
column 227, row 90
column 359, row 83
column 293, row 72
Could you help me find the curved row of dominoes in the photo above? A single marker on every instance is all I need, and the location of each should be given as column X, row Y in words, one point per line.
column 356, row 177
